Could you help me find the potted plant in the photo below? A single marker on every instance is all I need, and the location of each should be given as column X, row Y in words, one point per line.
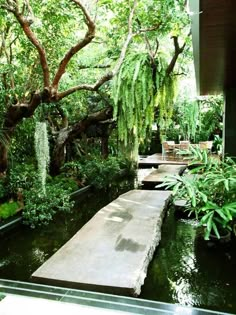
column 210, row 195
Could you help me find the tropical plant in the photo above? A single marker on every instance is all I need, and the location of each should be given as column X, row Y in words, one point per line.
column 195, row 119
column 46, row 60
column 211, row 117
column 199, row 159
column 217, row 144
column 210, row 195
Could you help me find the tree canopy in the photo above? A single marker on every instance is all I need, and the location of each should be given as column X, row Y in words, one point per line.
column 56, row 54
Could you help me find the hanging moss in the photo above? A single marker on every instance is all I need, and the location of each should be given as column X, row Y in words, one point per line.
column 133, row 94
column 42, row 151
column 165, row 99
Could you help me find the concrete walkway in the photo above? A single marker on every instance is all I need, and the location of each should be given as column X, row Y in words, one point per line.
column 158, row 176
column 157, row 159
column 112, row 251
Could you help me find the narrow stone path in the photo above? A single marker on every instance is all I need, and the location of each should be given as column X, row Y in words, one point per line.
column 112, row 251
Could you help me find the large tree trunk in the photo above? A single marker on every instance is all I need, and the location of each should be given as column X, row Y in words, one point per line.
column 3, row 157
column 67, row 135
column 104, row 147
column 14, row 115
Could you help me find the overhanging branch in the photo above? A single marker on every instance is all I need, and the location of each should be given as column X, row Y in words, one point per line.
column 73, row 50
column 177, row 52
column 13, row 7
column 109, row 75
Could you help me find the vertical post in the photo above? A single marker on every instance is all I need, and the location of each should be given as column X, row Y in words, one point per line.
column 229, row 132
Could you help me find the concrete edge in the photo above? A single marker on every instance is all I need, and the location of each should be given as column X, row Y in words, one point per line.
column 150, row 252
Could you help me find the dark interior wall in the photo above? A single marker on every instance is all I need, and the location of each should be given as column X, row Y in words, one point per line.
column 230, row 123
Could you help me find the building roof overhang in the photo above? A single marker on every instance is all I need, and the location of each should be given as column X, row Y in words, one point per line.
column 214, row 44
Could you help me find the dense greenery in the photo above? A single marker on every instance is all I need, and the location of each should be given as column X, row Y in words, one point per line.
column 209, row 191
column 196, row 120
column 58, row 59
column 98, row 172
column 40, row 207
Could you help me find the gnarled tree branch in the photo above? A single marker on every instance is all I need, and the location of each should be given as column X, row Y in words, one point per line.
column 25, row 24
column 109, row 75
column 73, row 50
column 177, row 52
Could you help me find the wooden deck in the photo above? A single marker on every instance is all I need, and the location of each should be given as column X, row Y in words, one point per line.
column 157, row 159
column 112, row 251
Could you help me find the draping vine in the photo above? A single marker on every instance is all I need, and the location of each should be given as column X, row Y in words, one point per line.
column 138, row 90
column 165, row 101
column 190, row 120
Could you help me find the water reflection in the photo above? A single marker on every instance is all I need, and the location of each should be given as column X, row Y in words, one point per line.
column 22, row 251
column 184, row 270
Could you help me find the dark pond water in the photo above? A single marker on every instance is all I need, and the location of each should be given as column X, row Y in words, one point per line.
column 23, row 250
column 184, row 270
column 189, row 271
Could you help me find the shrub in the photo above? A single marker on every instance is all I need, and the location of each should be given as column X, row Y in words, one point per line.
column 40, row 208
column 8, row 209
column 99, row 172
column 67, row 183
column 21, row 176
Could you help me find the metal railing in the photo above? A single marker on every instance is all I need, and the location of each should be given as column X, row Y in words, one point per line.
column 98, row 300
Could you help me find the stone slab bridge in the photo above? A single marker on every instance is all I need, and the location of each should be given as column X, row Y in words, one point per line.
column 111, row 253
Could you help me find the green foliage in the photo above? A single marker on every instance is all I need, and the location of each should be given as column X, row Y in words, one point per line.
column 211, row 117
column 210, row 194
column 137, row 90
column 21, row 176
column 40, row 208
column 3, row 190
column 186, row 120
column 66, row 182
column 217, row 144
column 23, row 142
column 133, row 94
column 199, row 159
column 165, row 100
column 99, row 172
column 196, row 120
column 8, row 209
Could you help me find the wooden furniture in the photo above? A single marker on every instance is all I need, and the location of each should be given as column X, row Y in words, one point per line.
column 167, row 147
column 205, row 145
column 184, row 145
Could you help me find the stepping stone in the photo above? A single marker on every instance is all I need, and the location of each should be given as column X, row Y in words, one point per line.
column 158, row 176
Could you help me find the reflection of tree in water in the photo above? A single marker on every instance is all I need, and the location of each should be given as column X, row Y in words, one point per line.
column 183, row 272
column 180, row 263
